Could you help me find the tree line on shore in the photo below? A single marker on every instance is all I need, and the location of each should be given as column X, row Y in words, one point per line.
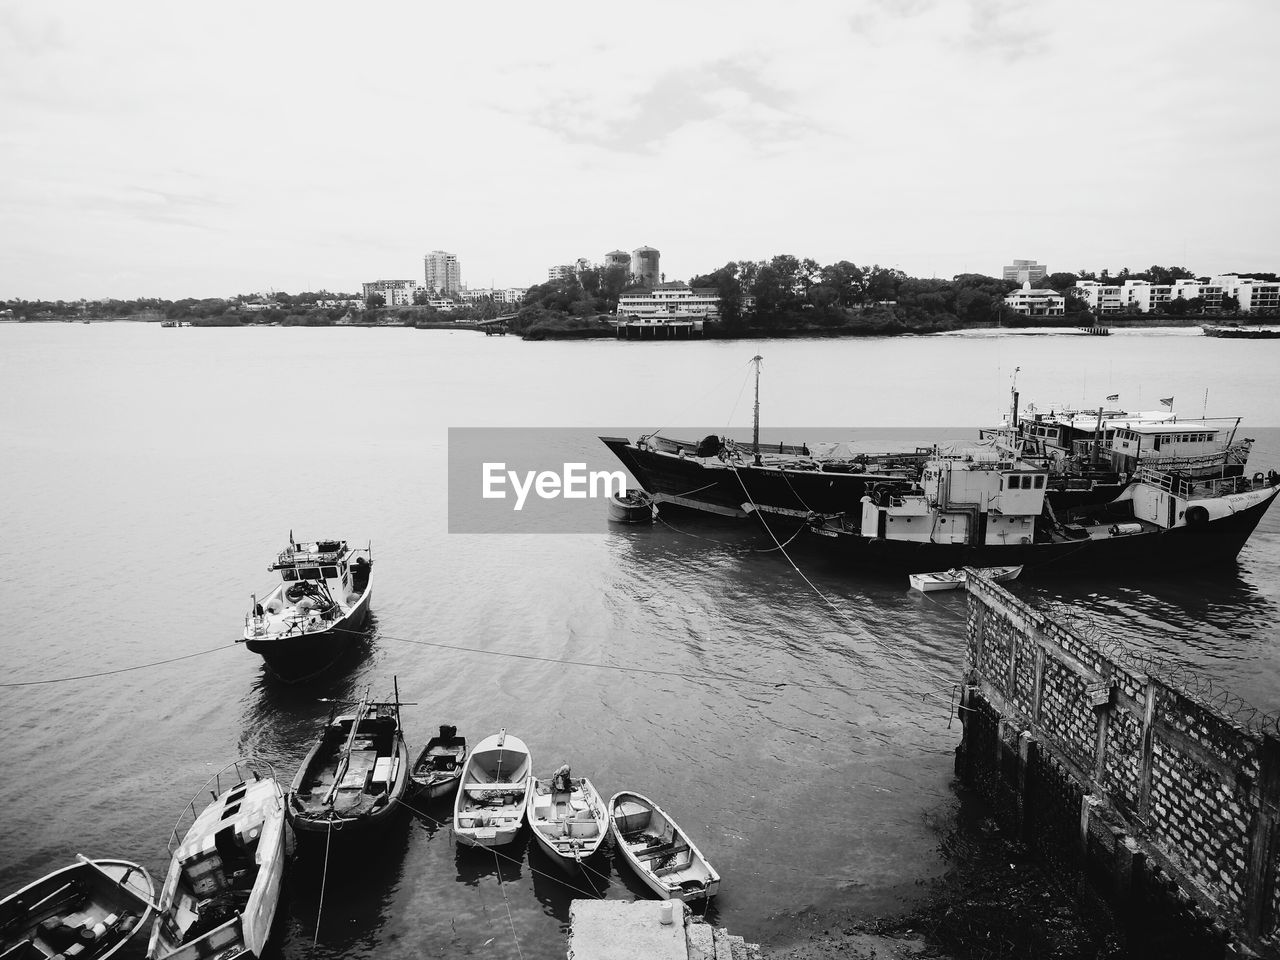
column 784, row 294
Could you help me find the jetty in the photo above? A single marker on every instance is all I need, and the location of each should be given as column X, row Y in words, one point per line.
column 648, row 930
column 1125, row 770
column 635, row 328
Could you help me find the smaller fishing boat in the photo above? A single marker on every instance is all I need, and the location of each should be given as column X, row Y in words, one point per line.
column 438, row 768
column 567, row 816
column 635, row 506
column 223, row 886
column 954, row 579
column 316, row 613
column 660, row 853
column 356, row 773
column 87, row 910
column 496, row 781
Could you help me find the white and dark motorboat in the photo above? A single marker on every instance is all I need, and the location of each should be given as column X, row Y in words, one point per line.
column 567, row 816
column 955, row 579
column 985, row 508
column 496, row 781
column 438, row 768
column 87, row 910
column 660, row 853
column 355, row 774
column 223, row 886
column 317, row 612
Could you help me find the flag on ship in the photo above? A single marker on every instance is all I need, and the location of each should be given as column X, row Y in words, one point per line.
column 1113, row 398
column 1168, row 402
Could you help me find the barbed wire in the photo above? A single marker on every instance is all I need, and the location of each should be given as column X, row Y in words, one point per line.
column 1095, row 632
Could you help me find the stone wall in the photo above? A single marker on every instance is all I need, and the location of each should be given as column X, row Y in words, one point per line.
column 1102, row 762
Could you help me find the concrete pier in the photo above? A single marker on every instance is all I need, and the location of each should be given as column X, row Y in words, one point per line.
column 622, row 930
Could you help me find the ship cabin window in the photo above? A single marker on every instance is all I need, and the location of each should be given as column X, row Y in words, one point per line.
column 330, row 573
column 1039, row 481
column 289, row 573
column 309, row 573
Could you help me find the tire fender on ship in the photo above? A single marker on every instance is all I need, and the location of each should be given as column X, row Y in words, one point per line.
column 1197, row 516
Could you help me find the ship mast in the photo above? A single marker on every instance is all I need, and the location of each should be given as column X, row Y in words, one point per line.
column 755, row 430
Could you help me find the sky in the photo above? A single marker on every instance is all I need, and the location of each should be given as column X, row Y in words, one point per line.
column 161, row 149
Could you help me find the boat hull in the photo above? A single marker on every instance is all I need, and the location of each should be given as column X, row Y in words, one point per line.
column 1218, row 541
column 311, row 826
column 698, row 881
column 573, row 838
column 110, row 887
column 488, row 810
column 297, row 658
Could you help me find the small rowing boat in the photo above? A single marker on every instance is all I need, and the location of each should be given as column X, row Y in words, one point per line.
column 439, row 766
column 355, row 775
column 567, row 816
column 660, row 853
column 954, row 579
column 87, row 910
column 496, row 780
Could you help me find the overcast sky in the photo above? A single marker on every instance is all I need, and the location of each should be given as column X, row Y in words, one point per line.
column 170, row 149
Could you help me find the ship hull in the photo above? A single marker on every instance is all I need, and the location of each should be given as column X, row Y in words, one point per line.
column 1217, row 542
column 717, row 487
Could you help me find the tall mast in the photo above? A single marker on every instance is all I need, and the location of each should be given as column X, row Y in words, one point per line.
column 755, row 432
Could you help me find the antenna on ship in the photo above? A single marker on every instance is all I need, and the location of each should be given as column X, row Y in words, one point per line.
column 755, row 431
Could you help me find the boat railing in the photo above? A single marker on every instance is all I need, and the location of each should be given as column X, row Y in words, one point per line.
column 237, row 771
column 1197, row 487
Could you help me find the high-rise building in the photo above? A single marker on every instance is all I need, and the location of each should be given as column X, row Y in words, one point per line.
column 1025, row 271
column 442, row 273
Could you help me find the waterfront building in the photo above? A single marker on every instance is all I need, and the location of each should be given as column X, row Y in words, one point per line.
column 1101, row 297
column 1253, row 294
column 670, row 300
column 1025, row 271
column 395, row 293
column 443, row 275
column 1036, row 303
column 508, row 295
column 644, row 265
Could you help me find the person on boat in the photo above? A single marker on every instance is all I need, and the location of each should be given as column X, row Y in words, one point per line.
column 561, row 780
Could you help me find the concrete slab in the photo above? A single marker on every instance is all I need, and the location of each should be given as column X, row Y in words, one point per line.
column 618, row 930
column 701, row 939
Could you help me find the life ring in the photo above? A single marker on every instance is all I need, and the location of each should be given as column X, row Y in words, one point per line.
column 1258, row 478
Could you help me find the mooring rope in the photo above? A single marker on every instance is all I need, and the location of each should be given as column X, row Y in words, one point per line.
column 107, row 673
column 324, row 876
column 501, row 886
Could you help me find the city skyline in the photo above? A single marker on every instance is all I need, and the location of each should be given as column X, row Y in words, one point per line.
column 137, row 164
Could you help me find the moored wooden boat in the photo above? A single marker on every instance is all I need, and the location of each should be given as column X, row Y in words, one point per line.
column 954, row 579
column 223, row 886
column 439, row 766
column 660, row 853
column 496, row 780
column 356, row 773
column 635, row 506
column 567, row 816
column 88, row 910
column 316, row 613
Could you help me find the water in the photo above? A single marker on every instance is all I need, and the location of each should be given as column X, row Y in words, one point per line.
column 148, row 476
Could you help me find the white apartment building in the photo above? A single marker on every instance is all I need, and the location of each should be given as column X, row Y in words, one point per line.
column 509, row 295
column 1146, row 296
column 669, row 300
column 1252, row 294
column 443, row 275
column 561, row 271
column 1036, row 303
column 395, row 293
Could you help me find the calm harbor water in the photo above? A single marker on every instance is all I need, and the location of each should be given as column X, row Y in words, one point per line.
column 148, row 476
